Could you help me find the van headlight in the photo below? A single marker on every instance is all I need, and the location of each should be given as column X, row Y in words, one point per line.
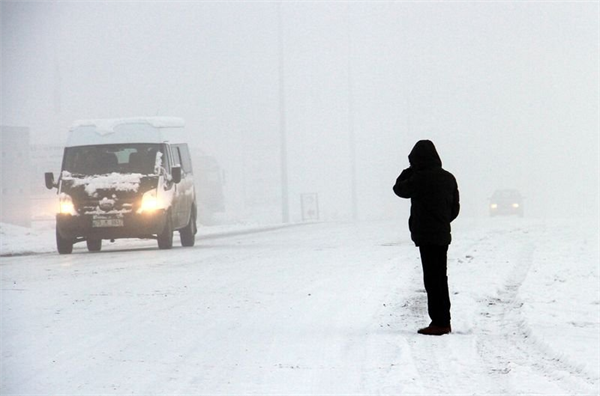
column 494, row 206
column 149, row 202
column 65, row 205
column 515, row 205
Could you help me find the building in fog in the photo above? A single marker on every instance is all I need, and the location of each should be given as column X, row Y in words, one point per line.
column 15, row 171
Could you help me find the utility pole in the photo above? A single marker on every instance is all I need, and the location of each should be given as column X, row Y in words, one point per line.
column 285, row 212
column 351, row 133
column 58, row 83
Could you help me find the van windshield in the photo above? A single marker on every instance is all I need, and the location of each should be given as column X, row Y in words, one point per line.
column 109, row 158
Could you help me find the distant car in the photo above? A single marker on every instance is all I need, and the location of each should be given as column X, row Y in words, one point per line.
column 506, row 202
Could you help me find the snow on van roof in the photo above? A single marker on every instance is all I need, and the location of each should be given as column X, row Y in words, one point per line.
column 126, row 130
column 109, row 124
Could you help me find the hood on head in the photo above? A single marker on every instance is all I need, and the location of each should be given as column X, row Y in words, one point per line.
column 424, row 156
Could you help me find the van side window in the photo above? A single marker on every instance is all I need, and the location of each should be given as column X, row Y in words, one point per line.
column 182, row 154
column 177, row 159
column 186, row 163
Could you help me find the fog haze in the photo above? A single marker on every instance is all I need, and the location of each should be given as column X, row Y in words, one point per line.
column 507, row 91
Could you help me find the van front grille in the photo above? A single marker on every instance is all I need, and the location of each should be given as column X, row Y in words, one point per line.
column 98, row 206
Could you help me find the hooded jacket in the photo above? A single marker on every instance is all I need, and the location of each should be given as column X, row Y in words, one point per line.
column 433, row 193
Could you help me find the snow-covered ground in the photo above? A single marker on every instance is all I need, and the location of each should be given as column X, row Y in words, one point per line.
column 310, row 309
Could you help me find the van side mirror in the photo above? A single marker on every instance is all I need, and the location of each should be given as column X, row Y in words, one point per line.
column 176, row 174
column 49, row 178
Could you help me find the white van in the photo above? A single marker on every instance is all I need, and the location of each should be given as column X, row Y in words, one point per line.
column 125, row 178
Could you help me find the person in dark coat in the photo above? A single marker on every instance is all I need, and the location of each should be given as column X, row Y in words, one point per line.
column 434, row 197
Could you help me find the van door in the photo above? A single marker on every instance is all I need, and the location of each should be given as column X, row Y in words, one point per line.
column 175, row 202
column 186, row 186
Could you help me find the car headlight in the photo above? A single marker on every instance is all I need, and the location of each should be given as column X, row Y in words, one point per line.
column 494, row 206
column 65, row 205
column 149, row 202
column 515, row 205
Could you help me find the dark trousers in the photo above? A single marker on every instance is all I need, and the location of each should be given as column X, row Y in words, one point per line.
column 435, row 277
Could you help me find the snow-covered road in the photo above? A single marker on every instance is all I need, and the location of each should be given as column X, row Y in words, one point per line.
column 310, row 309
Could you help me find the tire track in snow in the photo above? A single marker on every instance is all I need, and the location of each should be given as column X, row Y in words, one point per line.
column 446, row 364
column 450, row 364
column 428, row 355
column 507, row 343
column 425, row 354
column 489, row 358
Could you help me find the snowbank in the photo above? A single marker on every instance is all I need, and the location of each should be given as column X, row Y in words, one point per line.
column 40, row 238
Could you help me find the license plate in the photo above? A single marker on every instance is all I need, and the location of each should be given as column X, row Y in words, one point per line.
column 107, row 223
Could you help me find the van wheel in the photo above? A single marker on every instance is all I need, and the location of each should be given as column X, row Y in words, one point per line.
column 165, row 238
column 63, row 245
column 94, row 245
column 188, row 233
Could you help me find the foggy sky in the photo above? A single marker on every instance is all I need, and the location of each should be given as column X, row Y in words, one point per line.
column 507, row 91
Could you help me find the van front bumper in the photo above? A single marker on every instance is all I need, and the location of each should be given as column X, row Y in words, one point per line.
column 134, row 225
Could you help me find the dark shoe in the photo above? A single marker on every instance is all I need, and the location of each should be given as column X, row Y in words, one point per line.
column 435, row 330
